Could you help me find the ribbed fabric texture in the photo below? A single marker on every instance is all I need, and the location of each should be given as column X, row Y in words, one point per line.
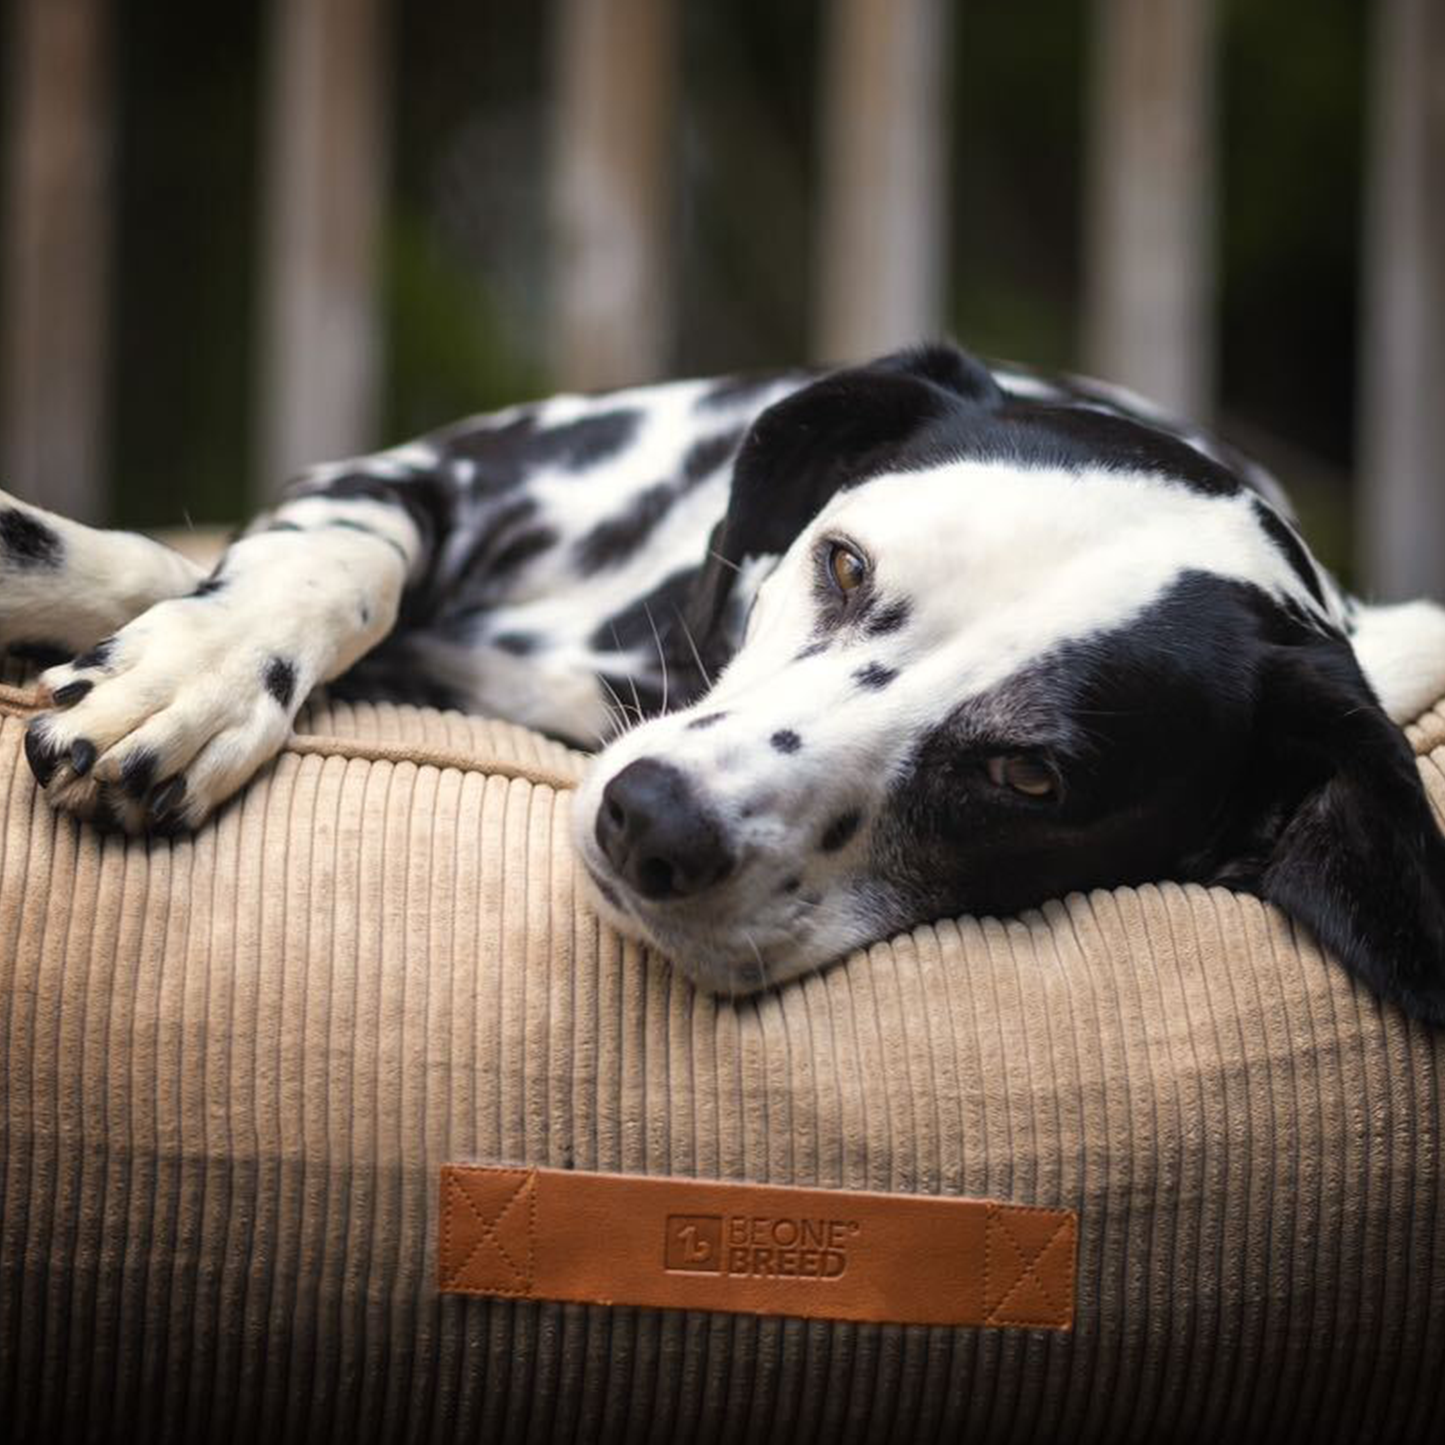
column 232, row 1066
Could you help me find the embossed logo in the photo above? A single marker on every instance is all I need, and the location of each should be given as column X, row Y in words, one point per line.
column 694, row 1243
column 759, row 1246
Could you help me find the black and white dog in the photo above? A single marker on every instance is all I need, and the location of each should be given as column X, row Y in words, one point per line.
column 902, row 641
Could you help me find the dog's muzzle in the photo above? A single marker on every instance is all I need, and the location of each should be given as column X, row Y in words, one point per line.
column 660, row 837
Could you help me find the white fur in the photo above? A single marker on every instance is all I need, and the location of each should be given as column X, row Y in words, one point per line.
column 1402, row 652
column 108, row 578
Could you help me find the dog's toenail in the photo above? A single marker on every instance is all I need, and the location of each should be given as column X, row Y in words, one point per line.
column 97, row 656
column 82, row 756
column 41, row 756
column 138, row 773
column 71, row 693
column 104, row 816
column 165, row 797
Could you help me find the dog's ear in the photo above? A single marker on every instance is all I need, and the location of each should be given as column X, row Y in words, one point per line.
column 1345, row 840
column 832, row 434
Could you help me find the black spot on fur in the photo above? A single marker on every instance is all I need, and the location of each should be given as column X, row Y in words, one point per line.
column 791, row 885
column 840, row 830
column 42, row 755
column 499, row 529
column 138, row 772
column 1284, row 538
column 523, row 548
column 785, row 740
column 708, row 455
column 588, row 440
column 811, row 650
column 875, row 676
column 504, row 456
column 280, row 680
column 612, row 541
column 888, row 618
column 707, row 720
column 98, row 655
column 519, row 644
column 28, row 541
column 428, row 500
column 209, row 587
column 281, row 527
column 71, row 693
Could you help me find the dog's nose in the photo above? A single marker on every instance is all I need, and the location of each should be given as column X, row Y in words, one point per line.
column 657, row 833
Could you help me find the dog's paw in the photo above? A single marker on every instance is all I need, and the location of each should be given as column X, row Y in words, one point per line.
column 156, row 726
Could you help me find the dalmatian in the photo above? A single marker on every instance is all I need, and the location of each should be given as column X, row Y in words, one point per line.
column 854, row 648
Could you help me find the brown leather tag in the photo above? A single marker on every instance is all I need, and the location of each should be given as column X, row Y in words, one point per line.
column 760, row 1249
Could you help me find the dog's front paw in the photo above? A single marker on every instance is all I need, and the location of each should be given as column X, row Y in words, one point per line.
column 157, row 725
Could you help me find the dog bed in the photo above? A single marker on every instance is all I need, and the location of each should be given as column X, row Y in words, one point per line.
column 233, row 1067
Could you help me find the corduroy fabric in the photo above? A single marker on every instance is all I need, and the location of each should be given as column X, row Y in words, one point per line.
column 232, row 1066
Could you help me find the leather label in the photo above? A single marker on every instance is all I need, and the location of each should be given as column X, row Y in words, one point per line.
column 763, row 1249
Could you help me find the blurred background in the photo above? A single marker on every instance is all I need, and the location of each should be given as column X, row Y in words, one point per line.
column 238, row 238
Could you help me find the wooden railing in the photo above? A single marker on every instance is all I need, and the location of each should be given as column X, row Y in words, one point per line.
column 880, row 243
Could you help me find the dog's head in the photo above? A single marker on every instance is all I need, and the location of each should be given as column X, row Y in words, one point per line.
column 983, row 650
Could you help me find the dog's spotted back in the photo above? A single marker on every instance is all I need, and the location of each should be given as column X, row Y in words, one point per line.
column 881, row 644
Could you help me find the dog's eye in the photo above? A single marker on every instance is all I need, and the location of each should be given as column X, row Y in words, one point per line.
column 1023, row 774
column 848, row 568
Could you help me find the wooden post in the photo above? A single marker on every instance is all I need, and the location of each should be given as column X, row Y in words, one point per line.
column 612, row 190
column 56, row 255
column 880, row 247
column 1150, row 201
column 323, row 206
column 1402, row 424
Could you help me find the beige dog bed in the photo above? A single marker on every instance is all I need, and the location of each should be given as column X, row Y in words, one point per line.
column 234, row 1066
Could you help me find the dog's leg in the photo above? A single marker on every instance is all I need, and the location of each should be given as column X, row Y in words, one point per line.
column 162, row 720
column 64, row 586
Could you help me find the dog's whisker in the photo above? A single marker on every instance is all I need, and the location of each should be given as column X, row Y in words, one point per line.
column 762, row 967
column 618, row 715
column 696, row 655
column 631, row 682
column 718, row 557
column 661, row 659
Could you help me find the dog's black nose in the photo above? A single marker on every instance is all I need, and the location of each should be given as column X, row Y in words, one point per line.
column 658, row 834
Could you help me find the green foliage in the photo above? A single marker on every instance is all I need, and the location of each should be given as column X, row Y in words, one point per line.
column 447, row 354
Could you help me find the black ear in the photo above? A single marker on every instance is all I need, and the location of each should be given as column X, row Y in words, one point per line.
column 1348, row 843
column 832, row 434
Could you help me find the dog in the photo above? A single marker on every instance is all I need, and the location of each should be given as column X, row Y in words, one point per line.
column 861, row 648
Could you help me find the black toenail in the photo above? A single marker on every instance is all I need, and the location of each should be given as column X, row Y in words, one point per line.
column 71, row 693
column 43, row 759
column 82, row 756
column 138, row 772
column 103, row 815
column 98, row 655
column 165, row 798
